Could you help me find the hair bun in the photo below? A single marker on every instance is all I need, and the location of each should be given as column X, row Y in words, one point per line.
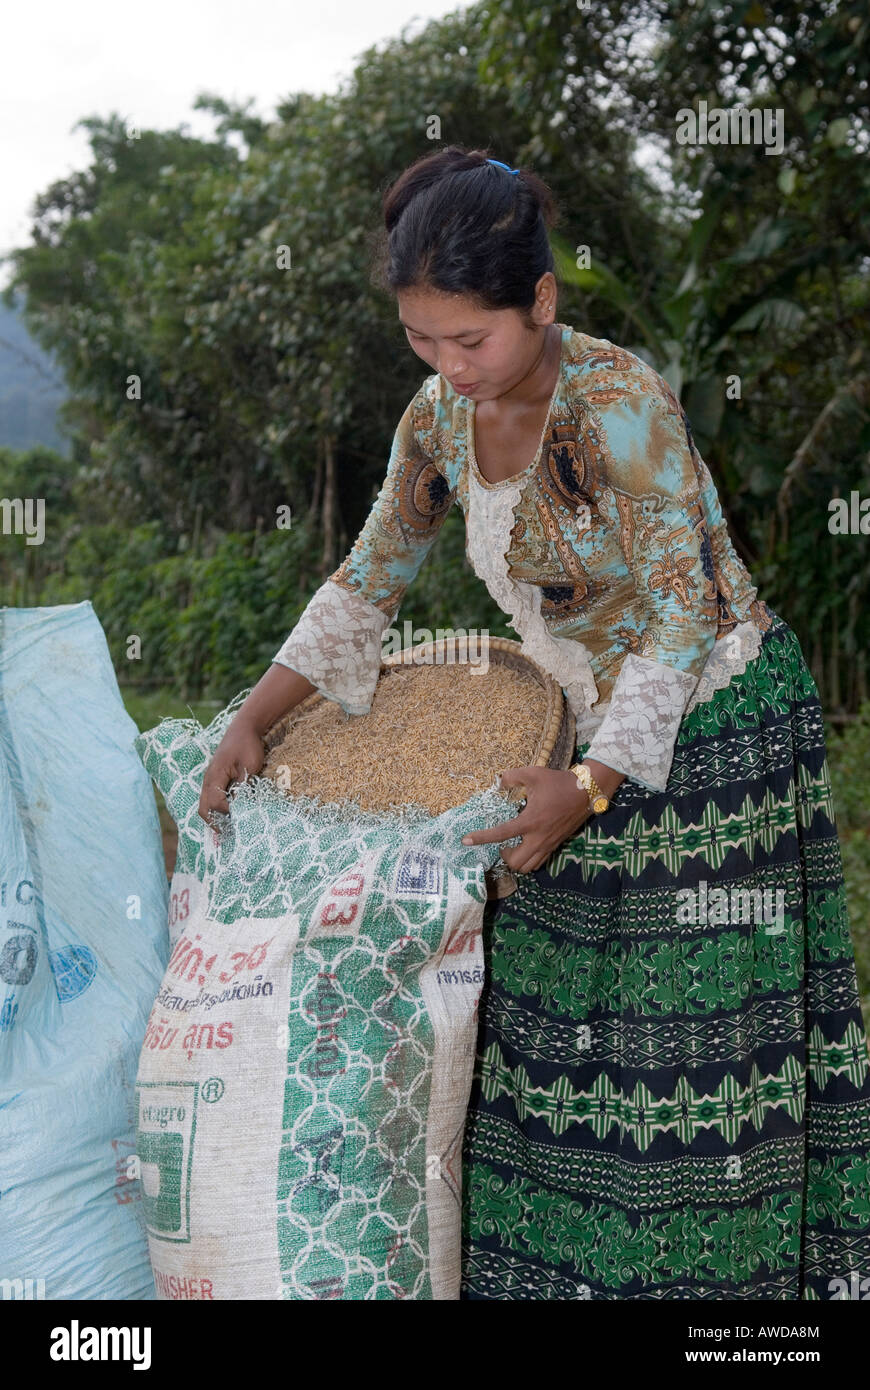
column 542, row 195
column 456, row 224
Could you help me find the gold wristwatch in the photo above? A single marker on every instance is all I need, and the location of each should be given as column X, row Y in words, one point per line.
column 588, row 783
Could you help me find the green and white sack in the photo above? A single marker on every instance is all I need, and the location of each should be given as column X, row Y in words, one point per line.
column 307, row 1065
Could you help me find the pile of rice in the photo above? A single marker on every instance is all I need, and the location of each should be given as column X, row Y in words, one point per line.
column 434, row 736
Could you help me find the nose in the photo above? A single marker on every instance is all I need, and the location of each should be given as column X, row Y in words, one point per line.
column 454, row 371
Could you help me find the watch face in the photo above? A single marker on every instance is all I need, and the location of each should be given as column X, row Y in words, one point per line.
column 600, row 804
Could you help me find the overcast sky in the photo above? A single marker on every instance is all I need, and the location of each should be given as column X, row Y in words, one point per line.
column 66, row 59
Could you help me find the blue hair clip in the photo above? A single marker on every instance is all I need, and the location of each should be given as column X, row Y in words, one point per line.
column 502, row 166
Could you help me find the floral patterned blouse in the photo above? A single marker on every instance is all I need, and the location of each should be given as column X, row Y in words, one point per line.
column 608, row 553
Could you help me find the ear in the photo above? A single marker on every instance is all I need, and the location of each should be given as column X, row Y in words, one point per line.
column 544, row 308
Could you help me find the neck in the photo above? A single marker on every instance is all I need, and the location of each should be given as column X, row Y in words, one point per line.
column 537, row 382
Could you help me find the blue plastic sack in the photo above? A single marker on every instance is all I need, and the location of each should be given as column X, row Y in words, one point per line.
column 83, row 945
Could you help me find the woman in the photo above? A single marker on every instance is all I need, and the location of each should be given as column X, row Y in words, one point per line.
column 672, row 1096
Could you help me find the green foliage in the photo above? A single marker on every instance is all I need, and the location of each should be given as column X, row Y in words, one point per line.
column 147, row 708
column 207, row 624
column 160, row 262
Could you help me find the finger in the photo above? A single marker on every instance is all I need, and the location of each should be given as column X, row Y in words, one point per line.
column 522, row 859
column 214, row 825
column 214, row 798
column 505, row 831
column 525, row 866
column 522, row 823
column 518, row 776
column 512, row 857
column 215, row 802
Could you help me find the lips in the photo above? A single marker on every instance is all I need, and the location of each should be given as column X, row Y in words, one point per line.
column 464, row 387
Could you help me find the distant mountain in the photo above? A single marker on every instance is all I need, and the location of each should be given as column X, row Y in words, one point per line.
column 31, row 389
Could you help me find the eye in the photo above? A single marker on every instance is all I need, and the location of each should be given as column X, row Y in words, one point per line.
column 474, row 345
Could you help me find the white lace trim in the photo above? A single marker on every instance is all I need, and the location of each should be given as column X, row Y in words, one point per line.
column 488, row 526
column 336, row 645
column 639, row 741
column 729, row 657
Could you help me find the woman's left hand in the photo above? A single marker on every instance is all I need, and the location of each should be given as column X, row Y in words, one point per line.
column 555, row 809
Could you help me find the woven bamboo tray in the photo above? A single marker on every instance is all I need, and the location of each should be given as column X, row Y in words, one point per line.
column 556, row 744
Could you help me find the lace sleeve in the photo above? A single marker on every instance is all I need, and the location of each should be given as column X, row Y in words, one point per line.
column 638, row 732
column 336, row 645
column 665, row 539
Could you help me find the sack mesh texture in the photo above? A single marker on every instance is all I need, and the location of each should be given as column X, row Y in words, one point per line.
column 307, row 1066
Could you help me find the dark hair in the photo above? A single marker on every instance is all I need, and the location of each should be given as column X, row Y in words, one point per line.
column 455, row 223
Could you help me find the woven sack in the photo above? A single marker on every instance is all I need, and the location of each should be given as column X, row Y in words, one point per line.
column 306, row 1069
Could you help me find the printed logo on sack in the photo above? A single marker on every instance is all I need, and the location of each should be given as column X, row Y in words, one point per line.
column 19, row 951
column 164, row 1145
column 341, row 908
column 73, row 968
column 418, row 875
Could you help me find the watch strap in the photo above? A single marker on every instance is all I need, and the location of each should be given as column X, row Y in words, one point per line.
column 598, row 800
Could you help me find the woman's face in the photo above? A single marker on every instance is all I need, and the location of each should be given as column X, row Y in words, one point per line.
column 482, row 353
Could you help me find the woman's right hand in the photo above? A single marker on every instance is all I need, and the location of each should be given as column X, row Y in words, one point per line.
column 239, row 754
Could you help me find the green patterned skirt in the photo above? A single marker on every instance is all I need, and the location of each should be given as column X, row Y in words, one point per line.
column 672, row 1093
